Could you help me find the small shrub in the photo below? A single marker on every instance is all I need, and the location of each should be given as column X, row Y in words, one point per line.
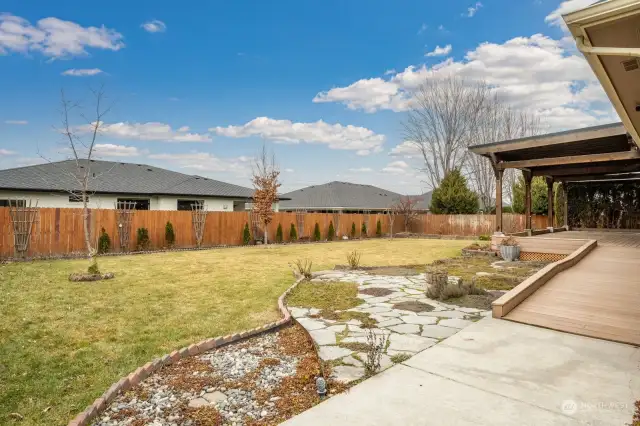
column 331, row 234
column 142, row 239
column 399, row 357
column 302, row 268
column 246, row 235
column 316, row 233
column 353, row 259
column 437, row 279
column 104, row 242
column 353, row 230
column 93, row 267
column 279, row 237
column 169, row 234
column 363, row 230
column 484, row 238
column 452, row 291
column 378, row 229
column 376, row 345
column 293, row 234
column 510, row 241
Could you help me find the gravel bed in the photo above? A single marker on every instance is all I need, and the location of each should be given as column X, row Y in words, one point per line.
column 233, row 385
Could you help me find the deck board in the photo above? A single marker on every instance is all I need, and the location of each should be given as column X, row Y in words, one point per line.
column 599, row 297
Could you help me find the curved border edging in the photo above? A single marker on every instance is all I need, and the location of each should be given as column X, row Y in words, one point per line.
column 141, row 373
column 507, row 302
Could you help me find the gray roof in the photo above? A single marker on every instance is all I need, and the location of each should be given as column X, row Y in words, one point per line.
column 340, row 195
column 117, row 178
column 424, row 201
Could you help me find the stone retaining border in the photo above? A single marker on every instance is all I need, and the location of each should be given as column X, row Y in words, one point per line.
column 141, row 373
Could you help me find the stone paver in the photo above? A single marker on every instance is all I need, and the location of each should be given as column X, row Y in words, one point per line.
column 407, row 332
column 214, row 397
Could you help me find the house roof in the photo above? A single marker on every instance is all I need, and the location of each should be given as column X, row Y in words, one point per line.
column 117, row 178
column 340, row 195
column 347, row 196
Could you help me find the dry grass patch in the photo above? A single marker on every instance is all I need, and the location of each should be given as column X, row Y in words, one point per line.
column 376, row 291
column 414, row 306
column 62, row 344
column 326, row 296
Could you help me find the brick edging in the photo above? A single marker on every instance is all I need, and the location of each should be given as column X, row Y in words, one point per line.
column 141, row 373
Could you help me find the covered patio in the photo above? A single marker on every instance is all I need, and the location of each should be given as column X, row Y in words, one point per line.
column 601, row 153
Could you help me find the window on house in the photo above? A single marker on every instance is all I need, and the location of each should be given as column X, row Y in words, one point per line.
column 20, row 203
column 186, row 204
column 139, row 204
column 76, row 198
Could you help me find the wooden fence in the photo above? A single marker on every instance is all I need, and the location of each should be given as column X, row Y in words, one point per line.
column 58, row 231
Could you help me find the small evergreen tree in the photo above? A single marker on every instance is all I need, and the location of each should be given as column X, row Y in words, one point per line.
column 104, row 242
column 279, row 234
column 142, row 239
column 316, row 233
column 353, row 230
column 539, row 202
column 363, row 230
column 293, row 234
column 331, row 234
column 453, row 196
column 378, row 229
column 169, row 234
column 246, row 235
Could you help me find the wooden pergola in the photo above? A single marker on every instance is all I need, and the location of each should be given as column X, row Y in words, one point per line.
column 595, row 153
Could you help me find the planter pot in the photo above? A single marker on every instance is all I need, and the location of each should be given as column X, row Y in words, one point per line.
column 510, row 253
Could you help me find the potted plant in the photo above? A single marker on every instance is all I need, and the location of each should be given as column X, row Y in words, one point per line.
column 510, row 249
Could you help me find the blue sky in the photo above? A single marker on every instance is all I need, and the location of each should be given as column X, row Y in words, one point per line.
column 198, row 87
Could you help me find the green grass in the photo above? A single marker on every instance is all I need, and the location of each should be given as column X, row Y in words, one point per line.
column 330, row 296
column 62, row 344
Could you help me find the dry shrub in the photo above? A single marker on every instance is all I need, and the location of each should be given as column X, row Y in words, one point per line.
column 353, row 259
column 302, row 268
column 204, row 416
column 452, row 291
column 376, row 344
column 436, row 282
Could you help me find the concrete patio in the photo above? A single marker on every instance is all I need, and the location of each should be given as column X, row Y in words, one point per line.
column 499, row 373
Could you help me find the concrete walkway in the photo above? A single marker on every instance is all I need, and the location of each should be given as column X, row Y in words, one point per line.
column 496, row 372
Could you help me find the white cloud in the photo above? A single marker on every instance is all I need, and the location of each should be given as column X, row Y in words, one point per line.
column 150, row 131
column 17, row 122
column 440, row 51
column 396, row 168
column 111, row 150
column 205, row 162
column 6, row 152
column 538, row 73
column 361, row 170
column 405, row 149
column 568, row 6
column 86, row 72
column 336, row 136
column 472, row 10
column 54, row 37
column 154, row 26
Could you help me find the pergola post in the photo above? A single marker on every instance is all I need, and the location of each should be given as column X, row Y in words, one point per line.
column 527, row 201
column 549, row 202
column 565, row 193
column 499, row 173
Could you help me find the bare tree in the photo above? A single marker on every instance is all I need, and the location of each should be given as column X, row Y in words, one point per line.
column 265, row 183
column 81, row 141
column 498, row 122
column 442, row 121
column 391, row 214
column 405, row 207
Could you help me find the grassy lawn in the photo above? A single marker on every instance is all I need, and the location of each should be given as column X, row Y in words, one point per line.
column 62, row 344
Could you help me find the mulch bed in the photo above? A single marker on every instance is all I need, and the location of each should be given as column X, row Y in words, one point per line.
column 260, row 381
column 413, row 306
column 376, row 291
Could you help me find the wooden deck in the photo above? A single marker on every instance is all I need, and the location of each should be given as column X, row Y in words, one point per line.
column 598, row 297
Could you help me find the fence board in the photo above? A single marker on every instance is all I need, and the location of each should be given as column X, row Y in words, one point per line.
column 60, row 231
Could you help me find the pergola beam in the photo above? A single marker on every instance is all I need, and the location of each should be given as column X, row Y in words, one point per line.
column 560, row 171
column 572, row 159
column 618, row 176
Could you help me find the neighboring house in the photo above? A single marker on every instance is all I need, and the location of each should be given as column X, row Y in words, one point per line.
column 150, row 187
column 340, row 196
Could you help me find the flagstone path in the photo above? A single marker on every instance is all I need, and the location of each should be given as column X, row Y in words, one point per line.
column 408, row 332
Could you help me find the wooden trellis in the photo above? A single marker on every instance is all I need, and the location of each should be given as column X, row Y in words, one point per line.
column 337, row 215
column 125, row 211
column 254, row 223
column 199, row 219
column 22, row 218
column 300, row 215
